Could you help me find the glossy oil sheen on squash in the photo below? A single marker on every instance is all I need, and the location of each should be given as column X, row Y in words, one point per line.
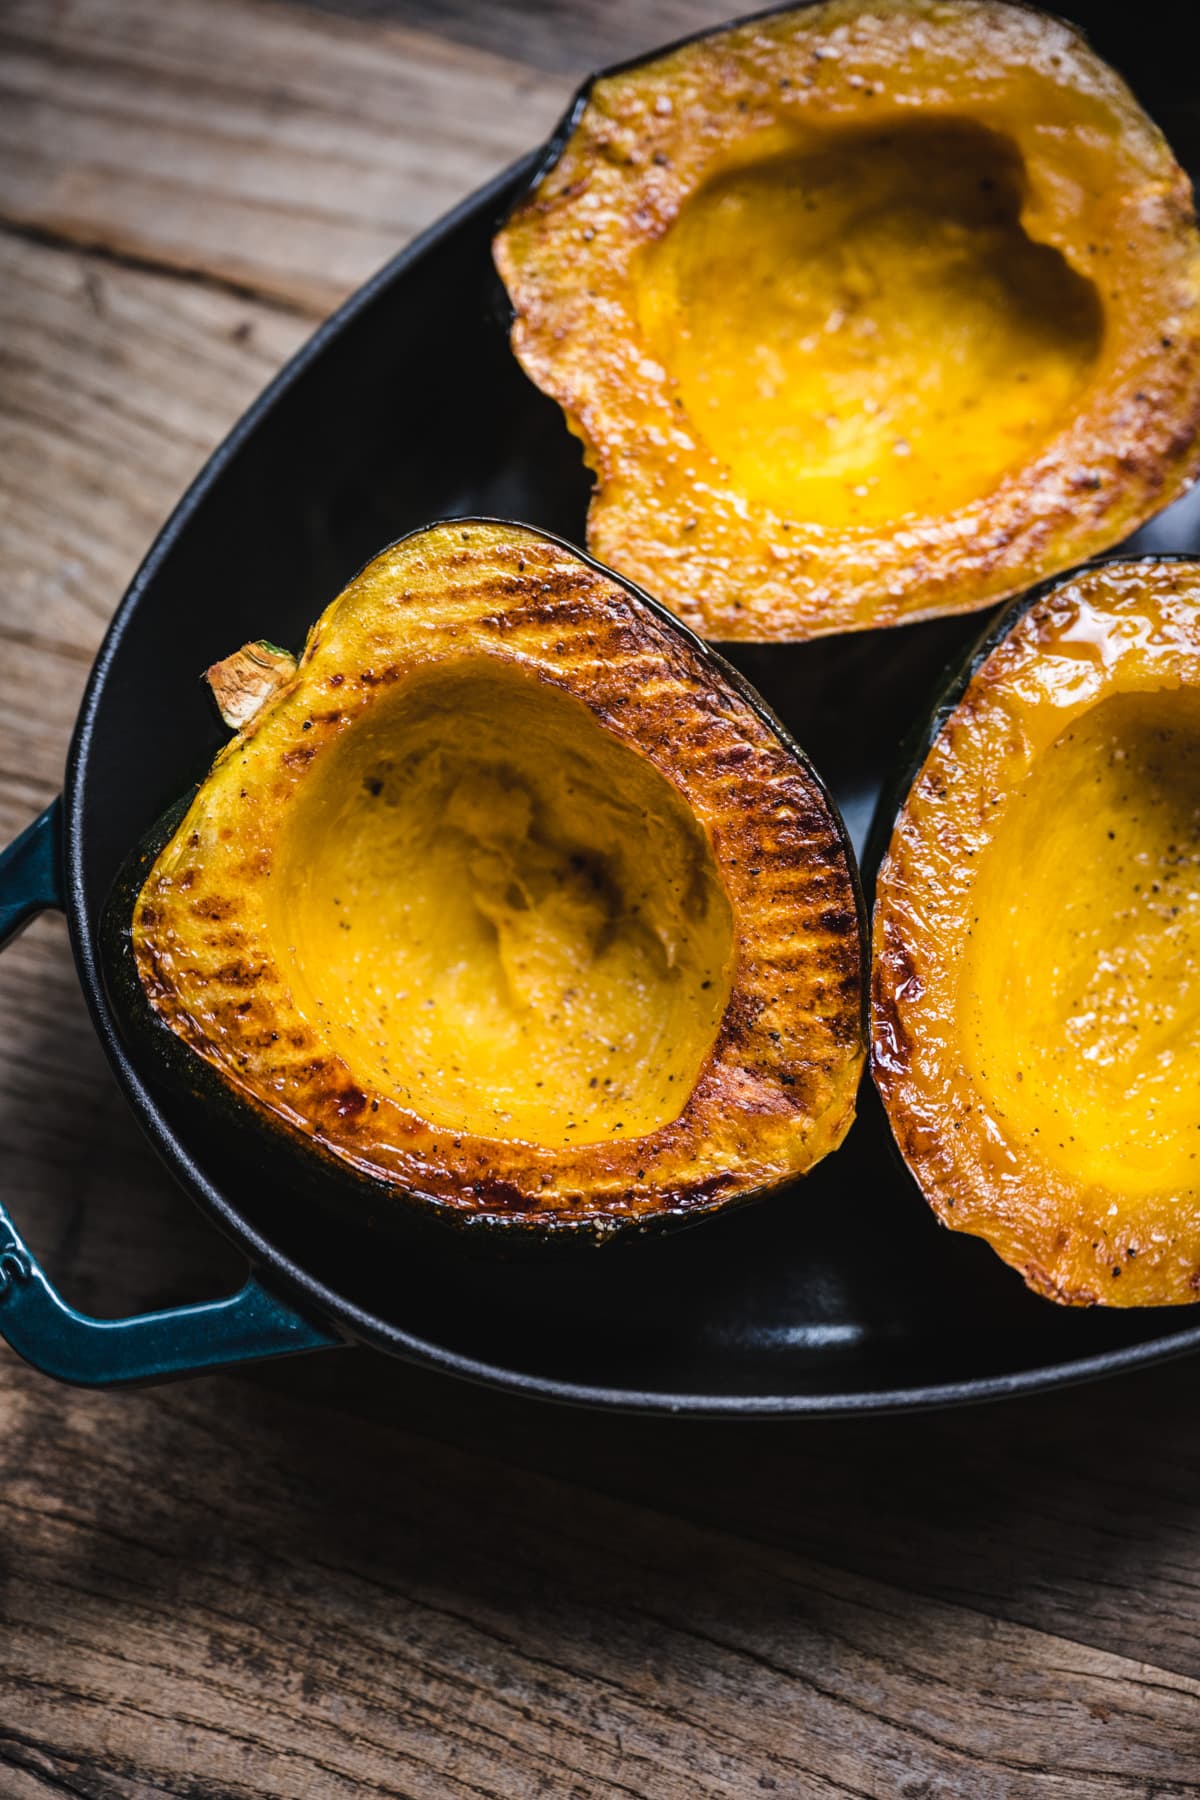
column 1082, row 1022
column 864, row 312
column 866, row 332
column 1037, row 991
column 510, row 899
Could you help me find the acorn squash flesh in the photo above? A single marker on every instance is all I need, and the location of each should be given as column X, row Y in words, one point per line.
column 511, row 920
column 864, row 332
column 1036, row 999
column 513, row 901
column 864, row 312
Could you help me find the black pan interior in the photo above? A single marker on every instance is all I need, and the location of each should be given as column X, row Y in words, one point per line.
column 841, row 1292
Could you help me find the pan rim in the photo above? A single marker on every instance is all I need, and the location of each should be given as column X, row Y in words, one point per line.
column 303, row 1284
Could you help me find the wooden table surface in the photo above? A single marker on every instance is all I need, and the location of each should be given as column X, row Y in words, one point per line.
column 342, row 1576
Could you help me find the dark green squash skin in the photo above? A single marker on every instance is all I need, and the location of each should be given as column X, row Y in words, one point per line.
column 288, row 1157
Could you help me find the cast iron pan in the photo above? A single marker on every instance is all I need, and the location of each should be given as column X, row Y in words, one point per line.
column 840, row 1295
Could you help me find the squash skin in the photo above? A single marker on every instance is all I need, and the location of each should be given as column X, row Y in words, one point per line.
column 641, row 141
column 778, row 1088
column 1114, row 628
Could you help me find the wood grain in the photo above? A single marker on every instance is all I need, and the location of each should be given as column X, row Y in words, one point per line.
column 299, row 1601
column 1072, row 1513
column 116, row 386
column 280, row 153
column 341, row 1576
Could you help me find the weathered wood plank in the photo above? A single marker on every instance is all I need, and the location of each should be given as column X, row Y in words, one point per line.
column 262, row 1586
column 299, row 1602
column 559, row 36
column 272, row 148
column 1075, row 1513
column 114, row 387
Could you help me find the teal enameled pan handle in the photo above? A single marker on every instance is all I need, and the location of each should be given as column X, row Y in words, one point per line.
column 36, row 1320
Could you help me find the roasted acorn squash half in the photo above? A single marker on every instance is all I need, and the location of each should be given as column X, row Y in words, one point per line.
column 1036, row 982
column 510, row 900
column 865, row 312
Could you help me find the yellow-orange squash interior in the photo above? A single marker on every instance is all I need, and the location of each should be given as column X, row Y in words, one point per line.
column 507, row 897
column 1036, row 1011
column 864, row 312
column 512, row 920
